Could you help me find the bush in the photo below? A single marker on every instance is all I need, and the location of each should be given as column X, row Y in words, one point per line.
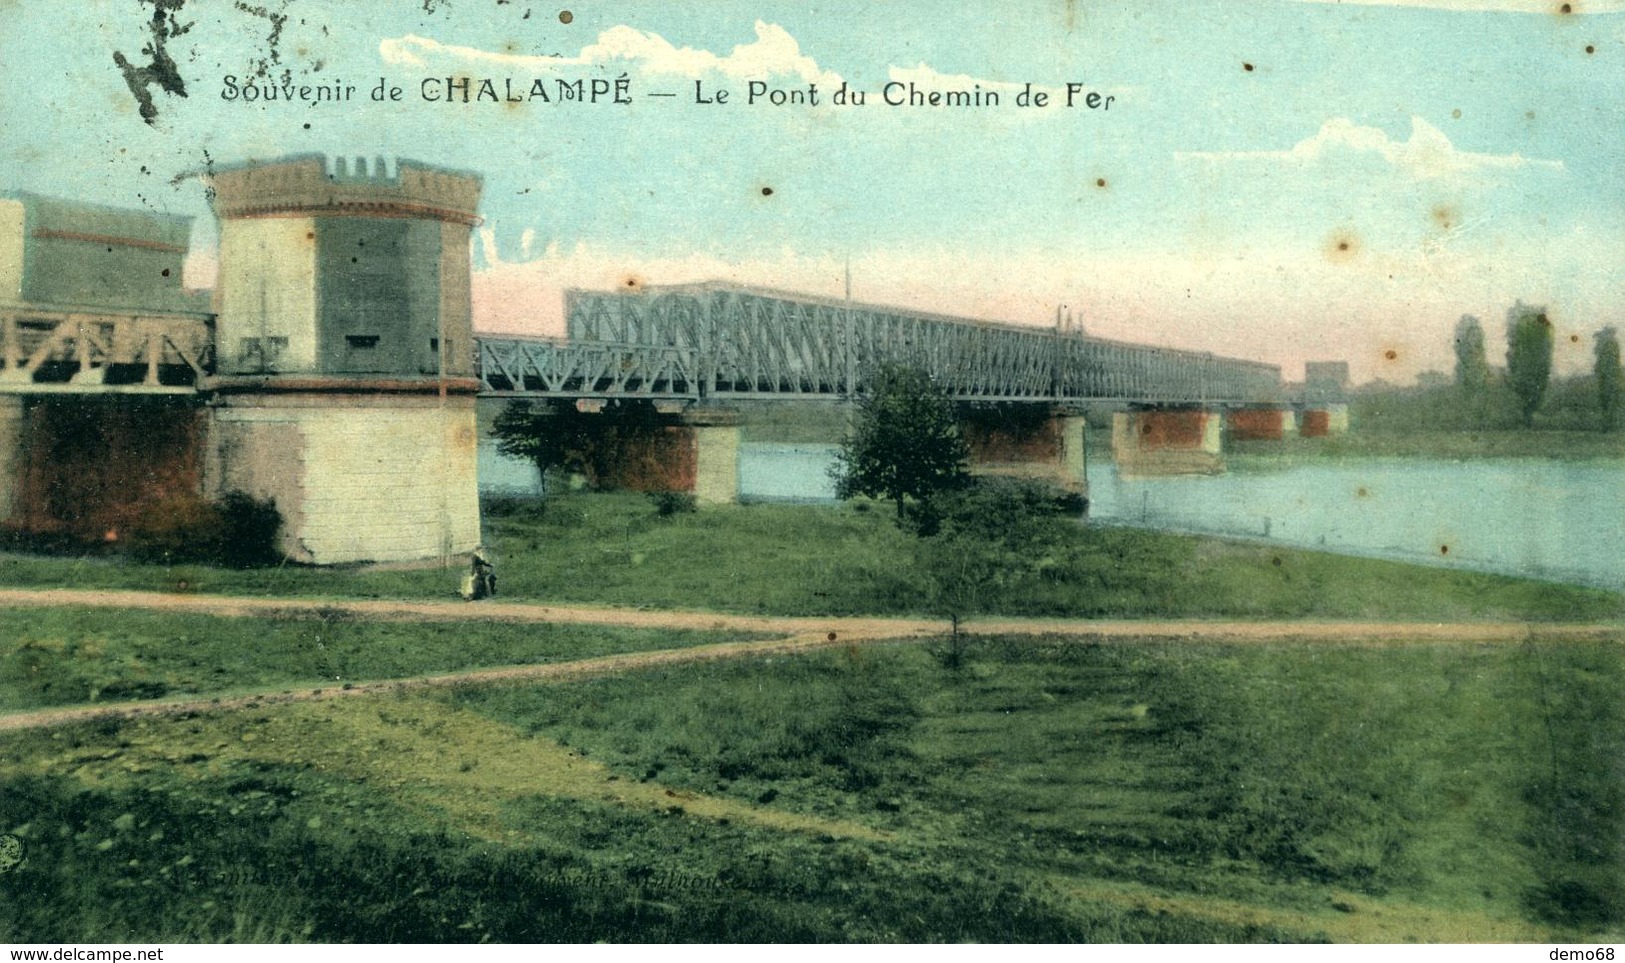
column 668, row 504
column 987, row 542
column 528, row 507
column 238, row 531
column 251, row 530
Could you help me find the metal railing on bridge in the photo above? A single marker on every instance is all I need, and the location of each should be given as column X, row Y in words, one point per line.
column 718, row 341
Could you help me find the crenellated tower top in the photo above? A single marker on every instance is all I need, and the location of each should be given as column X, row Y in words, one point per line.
column 311, row 184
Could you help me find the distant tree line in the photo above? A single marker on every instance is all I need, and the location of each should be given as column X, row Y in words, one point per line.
column 1524, row 393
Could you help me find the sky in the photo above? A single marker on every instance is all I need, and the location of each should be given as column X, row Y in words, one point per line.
column 1281, row 180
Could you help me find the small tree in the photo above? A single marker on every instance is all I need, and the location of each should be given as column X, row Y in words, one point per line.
column 606, row 447
column 905, row 444
column 1610, row 394
column 995, row 537
column 1472, row 370
column 537, row 434
column 1529, row 356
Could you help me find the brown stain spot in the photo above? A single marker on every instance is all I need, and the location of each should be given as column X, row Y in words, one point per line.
column 566, row 16
column 1566, row 8
column 1362, row 492
column 1247, row 67
column 1528, row 115
column 1590, row 49
column 832, row 636
column 1100, row 182
column 1446, row 216
column 164, row 272
column 1444, row 549
column 1456, row 114
column 632, row 282
column 1276, row 561
column 1342, row 247
column 1574, row 339
column 767, row 192
column 1390, row 355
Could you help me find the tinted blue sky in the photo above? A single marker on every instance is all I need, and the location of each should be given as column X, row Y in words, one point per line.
column 1381, row 169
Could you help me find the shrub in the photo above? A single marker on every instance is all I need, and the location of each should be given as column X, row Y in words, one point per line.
column 238, row 530
column 669, row 503
column 250, row 528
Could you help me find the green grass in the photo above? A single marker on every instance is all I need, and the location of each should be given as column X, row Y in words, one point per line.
column 68, row 655
column 1476, row 780
column 1045, row 791
column 818, row 560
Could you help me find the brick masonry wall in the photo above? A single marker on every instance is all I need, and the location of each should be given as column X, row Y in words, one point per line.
column 92, row 467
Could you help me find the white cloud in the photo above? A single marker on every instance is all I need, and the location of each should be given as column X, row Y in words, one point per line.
column 1427, row 155
column 774, row 53
column 1491, row 6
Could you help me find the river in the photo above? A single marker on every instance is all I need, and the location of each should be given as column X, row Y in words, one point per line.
column 1557, row 520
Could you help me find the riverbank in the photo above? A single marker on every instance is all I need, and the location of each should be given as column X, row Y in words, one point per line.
column 1450, row 445
column 616, row 549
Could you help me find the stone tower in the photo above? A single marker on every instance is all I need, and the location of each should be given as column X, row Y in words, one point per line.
column 343, row 355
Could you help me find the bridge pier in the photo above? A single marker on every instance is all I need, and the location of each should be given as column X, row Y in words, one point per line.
column 1260, row 424
column 1163, row 441
column 11, row 453
column 1027, row 441
column 361, row 472
column 1319, row 421
column 714, row 434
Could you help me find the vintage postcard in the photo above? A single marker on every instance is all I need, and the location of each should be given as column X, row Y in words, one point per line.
column 1056, row 471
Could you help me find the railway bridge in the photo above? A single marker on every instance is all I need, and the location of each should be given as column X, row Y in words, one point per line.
column 334, row 367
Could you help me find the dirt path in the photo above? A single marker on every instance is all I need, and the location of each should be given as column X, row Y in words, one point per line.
column 803, row 635
column 857, row 627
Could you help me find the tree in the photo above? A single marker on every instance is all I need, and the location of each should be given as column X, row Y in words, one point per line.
column 1472, row 370
column 905, row 443
column 540, row 434
column 994, row 539
column 1529, row 356
column 1610, row 393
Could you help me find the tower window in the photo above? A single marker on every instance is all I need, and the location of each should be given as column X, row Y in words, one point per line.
column 361, row 340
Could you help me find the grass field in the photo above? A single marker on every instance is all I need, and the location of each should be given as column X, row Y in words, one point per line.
column 1042, row 791
column 818, row 560
column 69, row 656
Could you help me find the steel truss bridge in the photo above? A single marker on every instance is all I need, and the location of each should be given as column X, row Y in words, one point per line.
column 689, row 343
column 718, row 342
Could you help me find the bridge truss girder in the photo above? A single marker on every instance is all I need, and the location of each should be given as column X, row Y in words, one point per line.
column 47, row 349
column 718, row 342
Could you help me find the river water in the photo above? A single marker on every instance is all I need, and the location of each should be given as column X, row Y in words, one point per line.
column 1558, row 520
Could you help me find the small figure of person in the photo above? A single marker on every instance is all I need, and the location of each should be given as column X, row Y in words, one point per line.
column 480, row 582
